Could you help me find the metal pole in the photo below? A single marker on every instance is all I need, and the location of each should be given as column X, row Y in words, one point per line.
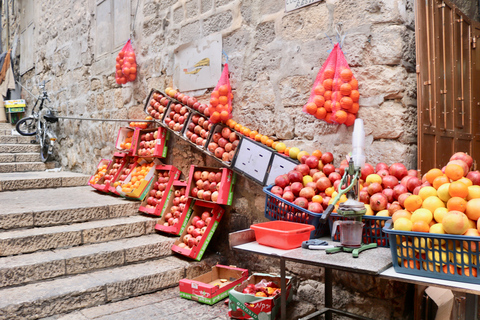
column 283, row 288
column 96, row 119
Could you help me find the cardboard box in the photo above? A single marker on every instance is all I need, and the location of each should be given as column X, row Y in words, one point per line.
column 173, row 175
column 212, row 286
column 218, row 129
column 140, row 192
column 248, row 306
column 126, row 140
column 118, row 158
column 197, row 251
column 102, row 168
column 227, row 183
column 160, row 143
column 130, row 164
column 177, row 228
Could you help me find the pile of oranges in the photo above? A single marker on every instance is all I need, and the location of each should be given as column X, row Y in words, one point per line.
column 220, row 108
column 141, row 125
column 127, row 143
column 335, row 100
column 138, row 175
column 102, row 169
column 126, row 67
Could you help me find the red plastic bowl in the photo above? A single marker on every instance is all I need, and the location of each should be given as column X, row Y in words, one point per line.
column 282, row 234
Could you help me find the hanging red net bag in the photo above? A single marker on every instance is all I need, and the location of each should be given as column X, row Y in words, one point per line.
column 220, row 108
column 334, row 97
column 126, row 68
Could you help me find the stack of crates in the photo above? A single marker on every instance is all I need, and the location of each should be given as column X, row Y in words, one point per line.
column 14, row 110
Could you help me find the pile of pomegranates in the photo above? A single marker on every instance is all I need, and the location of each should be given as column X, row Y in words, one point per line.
column 176, row 117
column 206, row 185
column 198, row 130
column 262, row 289
column 224, row 143
column 178, row 205
column 146, row 146
column 110, row 174
column 157, row 105
column 158, row 190
column 196, row 230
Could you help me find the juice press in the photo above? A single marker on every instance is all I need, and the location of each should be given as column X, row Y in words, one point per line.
column 352, row 210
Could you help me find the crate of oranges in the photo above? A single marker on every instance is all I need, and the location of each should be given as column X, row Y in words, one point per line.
column 100, row 173
column 136, row 184
column 126, row 140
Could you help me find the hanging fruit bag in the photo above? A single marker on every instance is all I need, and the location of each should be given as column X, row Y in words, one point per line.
column 220, row 108
column 334, row 97
column 126, row 68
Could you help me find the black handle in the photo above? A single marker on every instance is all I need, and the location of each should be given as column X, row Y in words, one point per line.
column 327, row 213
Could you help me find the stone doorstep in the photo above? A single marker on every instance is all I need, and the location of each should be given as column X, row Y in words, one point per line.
column 16, row 139
column 23, row 269
column 19, row 157
column 41, row 180
column 58, row 296
column 37, row 239
column 22, row 167
column 6, row 126
column 19, row 148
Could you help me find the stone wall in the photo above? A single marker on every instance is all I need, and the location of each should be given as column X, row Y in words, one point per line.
column 273, row 58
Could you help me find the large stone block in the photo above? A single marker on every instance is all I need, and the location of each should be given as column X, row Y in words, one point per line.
column 387, row 44
column 16, row 220
column 386, row 122
column 205, row 5
column 7, row 157
column 151, row 251
column 27, row 157
column 217, row 22
column 66, row 216
column 30, row 166
column 295, row 90
column 191, row 9
column 300, row 26
column 178, row 14
column 165, row 4
column 352, row 13
column 372, row 81
column 35, row 242
column 390, row 152
column 108, row 233
column 31, row 272
column 191, row 32
column 7, row 167
column 82, row 264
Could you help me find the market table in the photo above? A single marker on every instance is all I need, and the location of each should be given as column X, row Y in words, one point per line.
column 376, row 262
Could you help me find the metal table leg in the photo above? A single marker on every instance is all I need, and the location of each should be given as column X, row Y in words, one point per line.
column 471, row 305
column 283, row 287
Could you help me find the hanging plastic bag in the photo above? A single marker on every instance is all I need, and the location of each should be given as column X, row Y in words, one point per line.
column 334, row 97
column 126, row 68
column 220, row 108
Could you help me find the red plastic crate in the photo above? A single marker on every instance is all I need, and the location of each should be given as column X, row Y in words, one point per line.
column 282, row 234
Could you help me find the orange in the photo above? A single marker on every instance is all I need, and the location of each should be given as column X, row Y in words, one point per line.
column 231, row 123
column 438, row 181
column 401, row 214
column 340, row 116
column 319, row 101
column 432, row 203
column 215, row 94
column 317, row 198
column 328, row 105
column 328, row 95
column 355, row 95
column 420, row 226
column 223, row 90
column 328, row 117
column 354, row 84
column 274, row 145
column 473, row 209
column 354, row 108
column 215, row 117
column 287, row 151
column 454, row 171
column 328, row 73
column 346, row 89
column 237, row 127
column 328, row 84
column 224, row 115
column 422, row 215
column 466, row 181
column 413, row 203
column 253, row 134
column 279, row 146
column 458, row 189
column 223, row 100
column 346, row 75
column 258, row 137
column 246, row 132
column 264, row 139
column 317, row 154
column 311, row 108
column 319, row 90
column 346, row 103
column 329, row 191
column 320, row 113
column 269, row 142
column 350, row 119
column 214, row 101
column 457, row 204
column 432, row 174
column 336, row 96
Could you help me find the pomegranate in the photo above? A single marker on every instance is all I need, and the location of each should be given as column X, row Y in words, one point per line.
column 296, row 187
column 464, row 157
column 381, row 166
column 334, row 176
column 318, row 175
column 395, row 206
column 378, row 202
column 367, row 170
column 295, row 176
column 342, row 168
column 399, row 190
column 327, row 157
column 303, row 159
column 364, row 197
column 307, row 192
column 336, row 184
column 389, row 182
column 328, row 168
column 374, row 188
column 315, row 207
column 412, row 183
column 383, row 173
column 312, row 185
column 474, row 176
column 402, row 197
column 398, row 170
column 301, row 202
column 389, row 194
column 277, row 190
column 405, row 179
column 412, row 172
column 313, row 171
column 288, row 196
column 282, row 181
column 312, row 162
column 416, row 191
column 303, row 169
column 323, row 183
column 325, row 202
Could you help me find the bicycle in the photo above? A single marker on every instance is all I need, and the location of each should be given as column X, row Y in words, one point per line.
column 39, row 124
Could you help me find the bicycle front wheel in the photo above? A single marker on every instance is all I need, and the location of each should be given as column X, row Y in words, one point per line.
column 44, row 148
column 26, row 126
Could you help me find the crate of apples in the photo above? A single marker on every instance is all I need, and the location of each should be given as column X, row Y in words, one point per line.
column 100, row 172
column 178, row 209
column 223, row 144
column 211, row 184
column 177, row 115
column 156, row 104
column 198, row 129
column 152, row 143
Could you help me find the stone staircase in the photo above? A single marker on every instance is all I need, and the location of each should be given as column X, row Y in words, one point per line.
column 65, row 247
column 17, row 154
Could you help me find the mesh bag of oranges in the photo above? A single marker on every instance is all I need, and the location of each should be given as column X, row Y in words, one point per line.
column 126, row 67
column 220, row 108
column 334, row 97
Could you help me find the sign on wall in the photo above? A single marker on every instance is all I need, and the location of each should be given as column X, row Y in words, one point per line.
column 291, row 5
column 198, row 64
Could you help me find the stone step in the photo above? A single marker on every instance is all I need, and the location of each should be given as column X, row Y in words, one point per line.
column 37, row 239
column 19, row 148
column 58, row 206
column 62, row 295
column 23, row 166
column 6, row 126
column 16, row 139
column 19, row 157
column 34, row 267
column 41, row 179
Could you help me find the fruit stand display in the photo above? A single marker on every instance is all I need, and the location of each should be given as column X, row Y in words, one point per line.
column 177, row 212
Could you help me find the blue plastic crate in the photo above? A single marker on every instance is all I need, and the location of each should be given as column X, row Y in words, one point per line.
column 372, row 231
column 277, row 208
column 440, row 256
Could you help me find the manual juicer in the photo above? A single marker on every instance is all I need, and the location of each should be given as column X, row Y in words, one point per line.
column 352, row 209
